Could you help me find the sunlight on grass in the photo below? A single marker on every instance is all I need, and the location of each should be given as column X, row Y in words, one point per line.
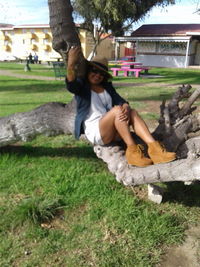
column 25, row 94
column 60, row 206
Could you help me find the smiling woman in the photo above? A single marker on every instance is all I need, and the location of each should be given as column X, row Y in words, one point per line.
column 104, row 116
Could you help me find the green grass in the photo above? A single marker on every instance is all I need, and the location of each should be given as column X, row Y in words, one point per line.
column 36, row 69
column 174, row 76
column 60, row 206
column 18, row 95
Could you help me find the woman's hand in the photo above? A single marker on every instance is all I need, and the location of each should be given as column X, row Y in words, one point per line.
column 124, row 113
column 73, row 55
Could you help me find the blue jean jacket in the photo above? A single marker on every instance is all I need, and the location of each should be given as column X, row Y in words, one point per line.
column 81, row 89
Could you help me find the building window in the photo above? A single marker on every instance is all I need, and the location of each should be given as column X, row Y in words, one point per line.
column 32, row 30
column 24, row 31
column 146, row 47
column 45, row 41
column 171, row 47
column 33, row 41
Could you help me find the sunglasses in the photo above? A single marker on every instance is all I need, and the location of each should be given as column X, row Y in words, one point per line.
column 96, row 71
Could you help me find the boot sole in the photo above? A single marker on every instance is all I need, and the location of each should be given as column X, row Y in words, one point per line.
column 140, row 165
column 164, row 161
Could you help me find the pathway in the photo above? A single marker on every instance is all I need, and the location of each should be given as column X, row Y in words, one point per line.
column 121, row 84
column 24, row 76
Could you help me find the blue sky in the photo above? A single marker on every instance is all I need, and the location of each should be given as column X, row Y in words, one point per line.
column 19, row 12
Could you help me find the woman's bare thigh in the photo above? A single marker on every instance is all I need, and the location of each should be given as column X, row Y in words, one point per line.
column 107, row 126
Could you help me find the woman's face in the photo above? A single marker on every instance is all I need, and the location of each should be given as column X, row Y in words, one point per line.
column 95, row 76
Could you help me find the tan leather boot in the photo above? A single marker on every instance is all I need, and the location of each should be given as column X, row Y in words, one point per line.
column 159, row 154
column 135, row 156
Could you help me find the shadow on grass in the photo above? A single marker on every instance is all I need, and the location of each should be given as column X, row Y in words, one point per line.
column 188, row 195
column 158, row 97
column 20, row 66
column 24, row 103
column 175, row 76
column 184, row 76
column 39, row 151
column 30, row 86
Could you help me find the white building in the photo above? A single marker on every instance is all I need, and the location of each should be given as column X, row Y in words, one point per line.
column 166, row 45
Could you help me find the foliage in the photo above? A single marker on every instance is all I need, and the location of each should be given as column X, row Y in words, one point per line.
column 113, row 15
column 101, row 17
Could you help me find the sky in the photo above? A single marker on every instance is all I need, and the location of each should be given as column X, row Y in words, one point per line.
column 20, row 12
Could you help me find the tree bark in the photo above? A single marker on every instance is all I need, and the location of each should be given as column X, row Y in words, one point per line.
column 58, row 118
column 62, row 26
column 49, row 119
column 64, row 32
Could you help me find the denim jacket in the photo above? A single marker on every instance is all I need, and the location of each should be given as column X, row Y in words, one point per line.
column 81, row 89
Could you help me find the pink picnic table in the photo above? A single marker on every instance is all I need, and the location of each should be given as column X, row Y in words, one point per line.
column 130, row 67
column 132, row 63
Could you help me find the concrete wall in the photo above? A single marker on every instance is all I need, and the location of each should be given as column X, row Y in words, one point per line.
column 162, row 61
column 162, row 54
column 106, row 49
column 197, row 55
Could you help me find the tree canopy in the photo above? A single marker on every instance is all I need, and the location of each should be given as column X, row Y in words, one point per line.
column 113, row 15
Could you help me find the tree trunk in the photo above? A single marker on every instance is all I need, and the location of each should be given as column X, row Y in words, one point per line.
column 64, row 31
column 62, row 26
column 58, row 118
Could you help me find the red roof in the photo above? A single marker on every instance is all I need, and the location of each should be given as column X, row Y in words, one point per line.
column 165, row 29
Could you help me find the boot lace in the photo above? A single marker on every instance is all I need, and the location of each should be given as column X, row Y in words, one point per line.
column 141, row 149
column 162, row 147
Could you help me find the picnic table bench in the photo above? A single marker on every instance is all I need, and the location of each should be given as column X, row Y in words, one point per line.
column 127, row 70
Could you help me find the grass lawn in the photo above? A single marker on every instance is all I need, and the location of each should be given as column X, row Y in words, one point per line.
column 36, row 69
column 60, row 206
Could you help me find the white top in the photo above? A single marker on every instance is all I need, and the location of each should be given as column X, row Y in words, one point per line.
column 100, row 104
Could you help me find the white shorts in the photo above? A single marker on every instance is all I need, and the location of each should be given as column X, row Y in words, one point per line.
column 92, row 133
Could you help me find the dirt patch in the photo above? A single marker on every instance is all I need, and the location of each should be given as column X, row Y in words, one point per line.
column 185, row 255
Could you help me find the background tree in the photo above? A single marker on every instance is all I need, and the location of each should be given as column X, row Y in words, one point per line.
column 115, row 17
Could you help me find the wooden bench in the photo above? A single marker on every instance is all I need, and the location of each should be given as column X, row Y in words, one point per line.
column 126, row 71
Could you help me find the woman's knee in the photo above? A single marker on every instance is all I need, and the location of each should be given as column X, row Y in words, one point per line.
column 116, row 109
column 134, row 113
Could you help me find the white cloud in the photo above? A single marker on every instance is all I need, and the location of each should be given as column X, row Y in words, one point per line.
column 183, row 12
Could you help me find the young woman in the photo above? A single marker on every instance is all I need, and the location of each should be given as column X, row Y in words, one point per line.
column 104, row 116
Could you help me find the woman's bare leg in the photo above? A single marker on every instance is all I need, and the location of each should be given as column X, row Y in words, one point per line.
column 140, row 127
column 110, row 126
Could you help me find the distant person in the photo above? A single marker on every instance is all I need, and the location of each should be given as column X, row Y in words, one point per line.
column 36, row 58
column 27, row 67
column 30, row 58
